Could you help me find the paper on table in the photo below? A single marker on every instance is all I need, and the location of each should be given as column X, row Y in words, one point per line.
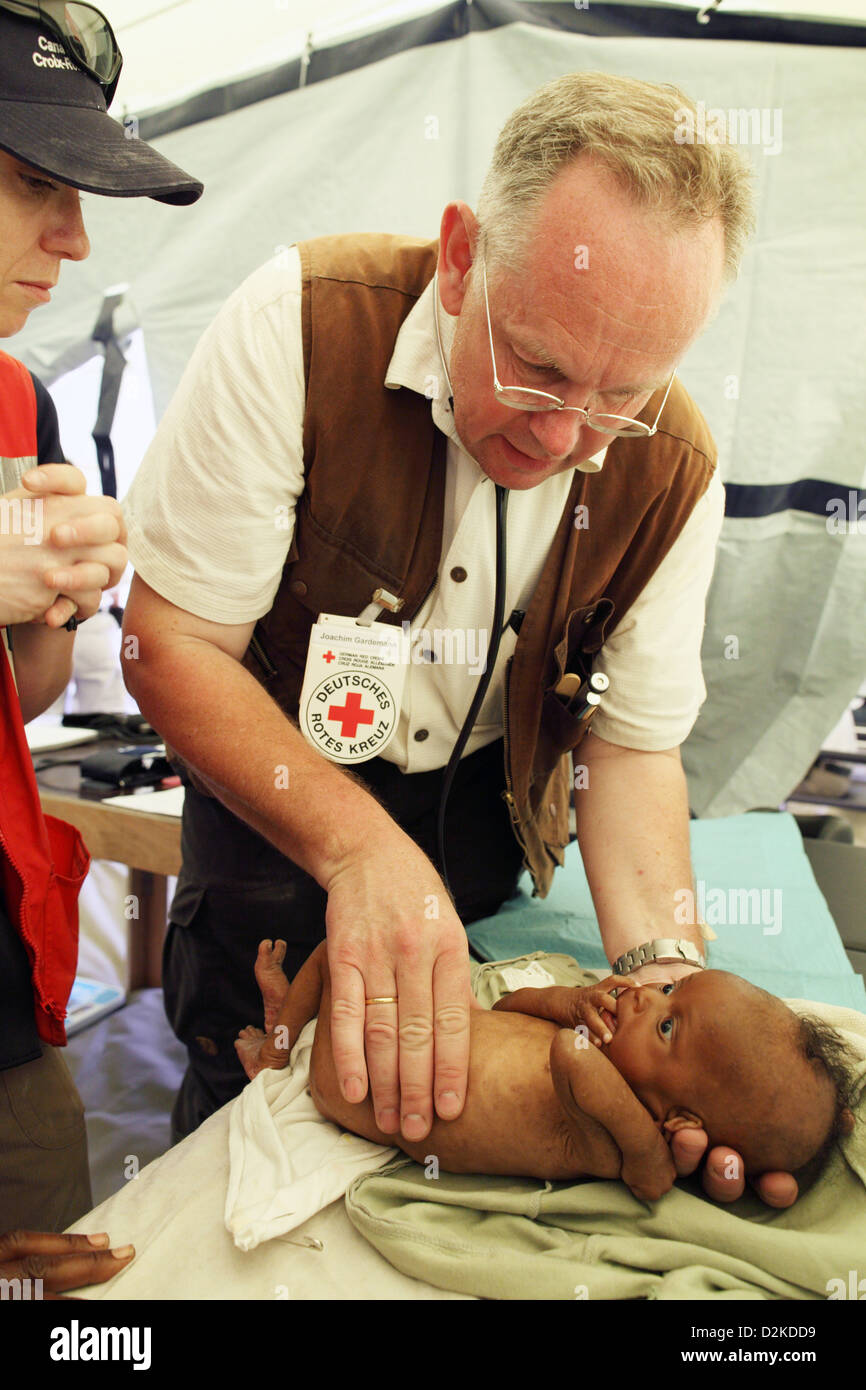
column 42, row 738
column 160, row 803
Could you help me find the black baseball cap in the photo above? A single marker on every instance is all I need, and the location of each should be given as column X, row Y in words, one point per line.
column 53, row 117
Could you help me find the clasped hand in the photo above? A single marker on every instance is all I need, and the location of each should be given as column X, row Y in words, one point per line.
column 60, row 548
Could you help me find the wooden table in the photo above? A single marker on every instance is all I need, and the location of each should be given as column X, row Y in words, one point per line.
column 149, row 844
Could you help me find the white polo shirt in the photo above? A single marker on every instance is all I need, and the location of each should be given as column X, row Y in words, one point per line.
column 211, row 514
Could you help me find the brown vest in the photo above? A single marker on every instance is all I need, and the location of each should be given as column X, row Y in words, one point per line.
column 371, row 515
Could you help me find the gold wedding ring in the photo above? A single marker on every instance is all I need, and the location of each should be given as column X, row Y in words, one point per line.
column 382, row 999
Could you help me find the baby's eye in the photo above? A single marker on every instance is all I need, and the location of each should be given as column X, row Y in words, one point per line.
column 666, row 1027
column 668, row 988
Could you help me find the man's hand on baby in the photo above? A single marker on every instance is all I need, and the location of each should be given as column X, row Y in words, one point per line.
column 723, row 1177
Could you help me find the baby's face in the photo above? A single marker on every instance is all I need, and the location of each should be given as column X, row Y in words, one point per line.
column 668, row 1038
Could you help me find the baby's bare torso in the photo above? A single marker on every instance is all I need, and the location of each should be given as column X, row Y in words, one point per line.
column 512, row 1122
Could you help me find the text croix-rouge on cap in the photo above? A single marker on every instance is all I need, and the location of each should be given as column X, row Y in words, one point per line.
column 53, row 116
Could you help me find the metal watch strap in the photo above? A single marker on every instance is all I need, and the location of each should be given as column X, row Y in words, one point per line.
column 661, row 951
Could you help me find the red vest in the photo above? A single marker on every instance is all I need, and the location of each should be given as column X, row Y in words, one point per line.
column 43, row 861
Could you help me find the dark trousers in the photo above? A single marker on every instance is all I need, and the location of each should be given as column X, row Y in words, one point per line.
column 235, row 889
column 44, row 1173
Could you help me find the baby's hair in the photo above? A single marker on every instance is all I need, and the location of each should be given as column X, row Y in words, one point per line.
column 818, row 1042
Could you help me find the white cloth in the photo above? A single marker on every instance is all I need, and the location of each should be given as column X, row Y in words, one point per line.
column 173, row 1214
column 286, row 1160
column 235, row 428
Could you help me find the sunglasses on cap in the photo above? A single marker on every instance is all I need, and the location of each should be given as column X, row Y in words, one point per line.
column 84, row 32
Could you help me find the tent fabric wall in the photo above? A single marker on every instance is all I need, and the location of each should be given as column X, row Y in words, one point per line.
column 778, row 374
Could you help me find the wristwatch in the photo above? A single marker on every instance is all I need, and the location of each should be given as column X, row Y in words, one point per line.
column 662, row 951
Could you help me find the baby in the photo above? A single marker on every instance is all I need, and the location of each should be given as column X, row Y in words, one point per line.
column 593, row 1082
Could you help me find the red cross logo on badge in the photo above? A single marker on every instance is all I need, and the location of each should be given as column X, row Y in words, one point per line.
column 350, row 715
column 329, row 657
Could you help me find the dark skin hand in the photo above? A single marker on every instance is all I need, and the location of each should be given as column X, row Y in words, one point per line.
column 564, row 1006
column 61, row 1262
column 572, row 1008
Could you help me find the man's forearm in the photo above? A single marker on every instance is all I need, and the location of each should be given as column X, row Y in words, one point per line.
column 226, row 726
column 43, row 665
column 633, row 833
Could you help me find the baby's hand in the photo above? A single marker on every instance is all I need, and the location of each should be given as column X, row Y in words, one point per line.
column 649, row 1174
column 590, row 1004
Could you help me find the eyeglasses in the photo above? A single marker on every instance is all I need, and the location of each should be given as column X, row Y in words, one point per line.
column 85, row 33
column 525, row 398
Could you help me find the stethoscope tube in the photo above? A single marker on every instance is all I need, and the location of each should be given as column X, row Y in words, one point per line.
column 483, row 684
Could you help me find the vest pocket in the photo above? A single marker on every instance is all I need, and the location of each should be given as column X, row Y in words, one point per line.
column 330, row 575
column 561, row 731
column 70, row 857
column 551, row 819
column 583, row 636
column 558, row 736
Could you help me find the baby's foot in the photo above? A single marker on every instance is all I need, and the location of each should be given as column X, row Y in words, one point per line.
column 248, row 1046
column 258, row 1050
column 271, row 979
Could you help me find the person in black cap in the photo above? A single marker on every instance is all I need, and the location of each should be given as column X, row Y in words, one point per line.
column 59, row 550
column 59, row 67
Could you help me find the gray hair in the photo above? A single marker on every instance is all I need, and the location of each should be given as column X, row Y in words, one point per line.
column 631, row 127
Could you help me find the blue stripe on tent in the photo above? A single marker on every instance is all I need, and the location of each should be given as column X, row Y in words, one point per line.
column 805, row 495
column 457, row 20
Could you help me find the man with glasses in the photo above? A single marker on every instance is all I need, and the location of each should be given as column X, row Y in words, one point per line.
column 347, row 433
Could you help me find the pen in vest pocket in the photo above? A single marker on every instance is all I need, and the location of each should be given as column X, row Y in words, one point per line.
column 582, row 698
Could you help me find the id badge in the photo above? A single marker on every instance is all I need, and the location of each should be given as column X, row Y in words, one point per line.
column 353, row 686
